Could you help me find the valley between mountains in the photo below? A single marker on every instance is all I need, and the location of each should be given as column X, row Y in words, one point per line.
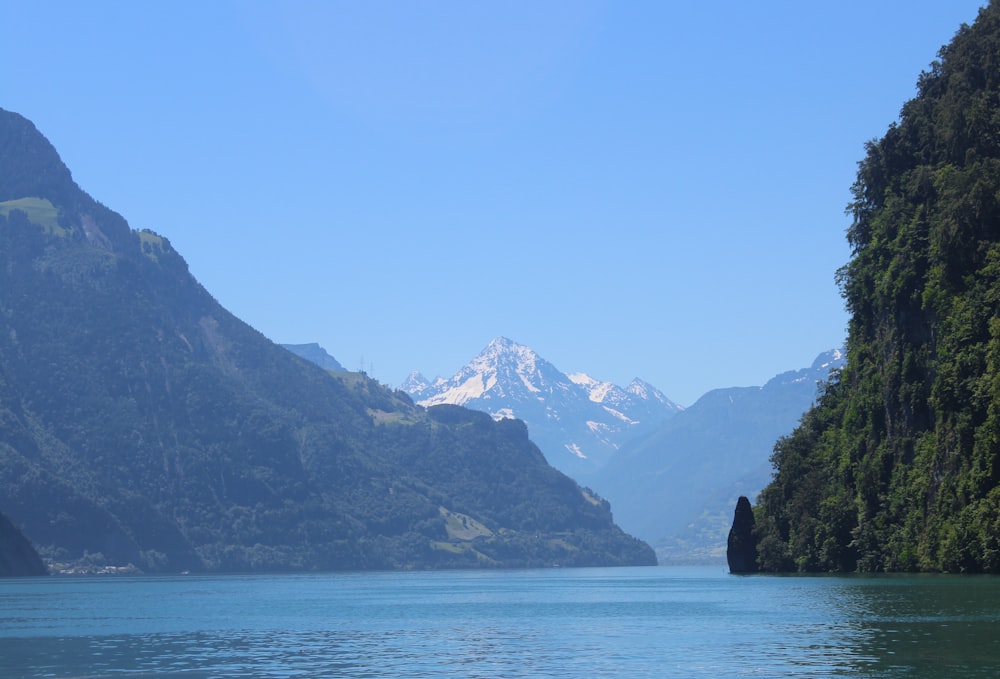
column 672, row 474
column 145, row 427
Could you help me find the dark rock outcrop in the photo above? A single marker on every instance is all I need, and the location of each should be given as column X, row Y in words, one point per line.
column 741, row 550
column 17, row 556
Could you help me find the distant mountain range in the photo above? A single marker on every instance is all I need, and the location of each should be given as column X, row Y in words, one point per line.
column 579, row 422
column 672, row 475
column 677, row 487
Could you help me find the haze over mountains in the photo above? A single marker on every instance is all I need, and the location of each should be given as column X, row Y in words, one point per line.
column 677, row 487
column 314, row 353
column 142, row 423
column 672, row 474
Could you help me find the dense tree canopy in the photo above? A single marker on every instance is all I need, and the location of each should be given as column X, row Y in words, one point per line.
column 896, row 467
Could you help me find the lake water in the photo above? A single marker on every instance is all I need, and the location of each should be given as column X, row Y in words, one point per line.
column 619, row 622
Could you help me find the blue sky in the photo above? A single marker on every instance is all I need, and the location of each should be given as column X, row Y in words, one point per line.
column 651, row 189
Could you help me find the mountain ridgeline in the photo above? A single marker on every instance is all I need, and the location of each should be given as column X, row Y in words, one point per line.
column 578, row 422
column 897, row 467
column 314, row 353
column 142, row 423
column 677, row 487
column 673, row 475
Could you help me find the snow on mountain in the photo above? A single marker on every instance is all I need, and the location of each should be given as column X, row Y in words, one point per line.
column 415, row 383
column 646, row 391
column 612, row 395
column 503, row 370
column 819, row 371
column 671, row 480
column 830, row 360
column 576, row 420
column 597, row 389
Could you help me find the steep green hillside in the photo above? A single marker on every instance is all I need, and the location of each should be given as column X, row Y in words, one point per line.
column 141, row 422
column 897, row 467
column 38, row 211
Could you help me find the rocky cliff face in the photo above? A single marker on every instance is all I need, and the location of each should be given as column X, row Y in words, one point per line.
column 741, row 548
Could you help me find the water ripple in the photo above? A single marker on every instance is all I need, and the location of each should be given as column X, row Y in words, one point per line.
column 657, row 622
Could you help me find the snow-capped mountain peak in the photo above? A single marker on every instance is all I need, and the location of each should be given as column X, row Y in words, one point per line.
column 646, row 391
column 640, row 388
column 502, row 369
column 574, row 413
column 818, row 372
column 835, row 358
column 415, row 383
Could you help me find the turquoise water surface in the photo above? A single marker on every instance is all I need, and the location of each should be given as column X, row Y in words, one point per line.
column 616, row 622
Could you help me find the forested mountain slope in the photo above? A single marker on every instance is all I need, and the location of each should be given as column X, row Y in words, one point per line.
column 897, row 466
column 141, row 421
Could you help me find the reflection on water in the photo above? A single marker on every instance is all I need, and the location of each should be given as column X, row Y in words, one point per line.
column 653, row 622
column 920, row 625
